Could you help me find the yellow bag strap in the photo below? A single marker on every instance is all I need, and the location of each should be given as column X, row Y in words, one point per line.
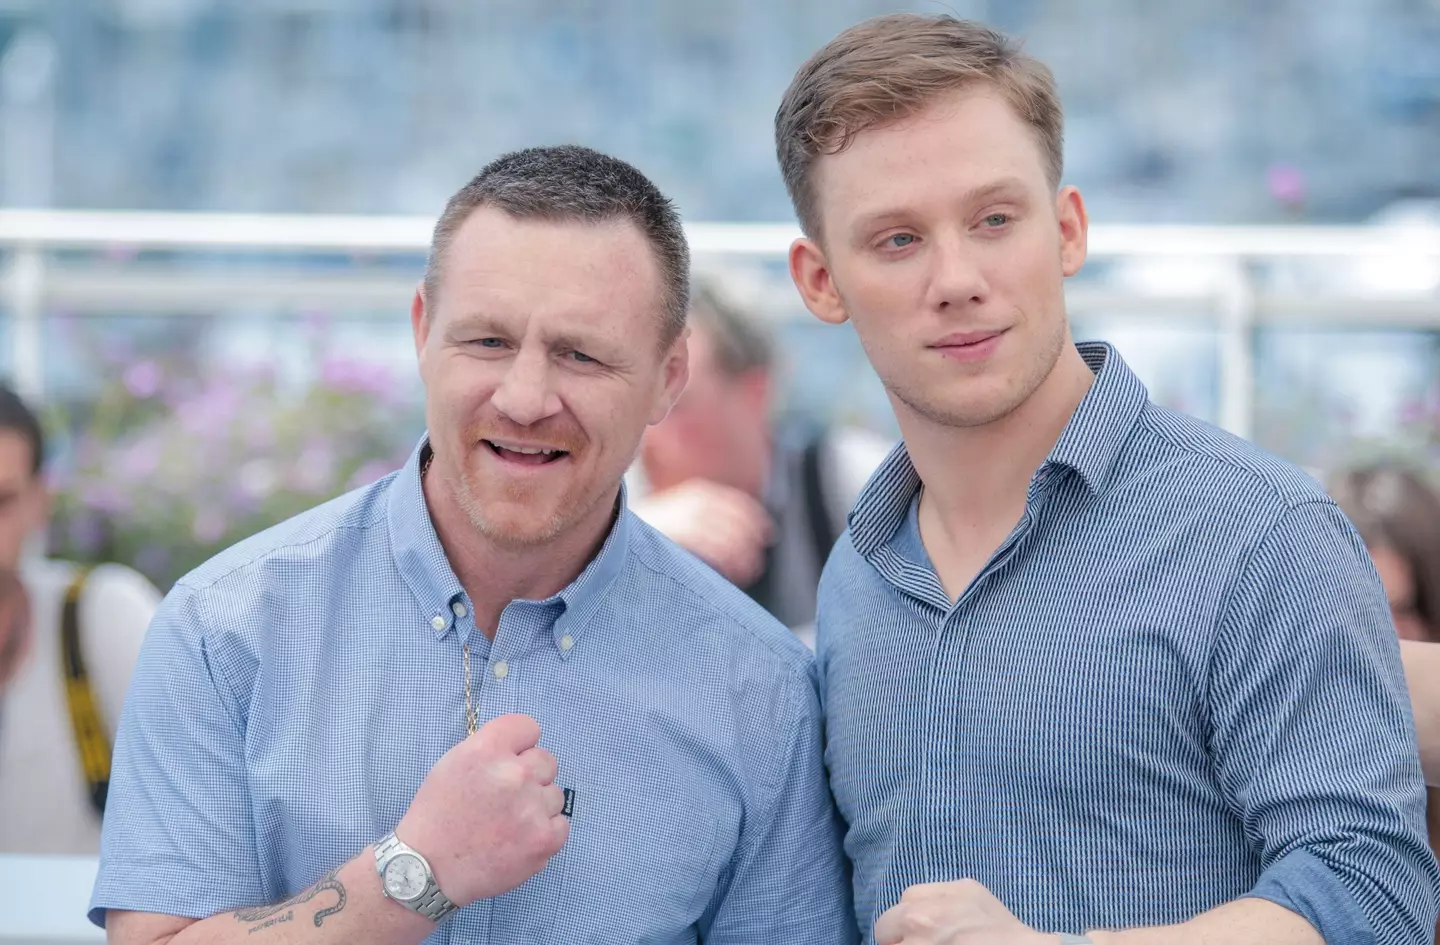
column 90, row 738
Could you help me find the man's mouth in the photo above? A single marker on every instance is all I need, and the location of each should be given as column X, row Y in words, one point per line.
column 525, row 454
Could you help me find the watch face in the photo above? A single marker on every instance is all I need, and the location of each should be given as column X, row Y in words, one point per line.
column 405, row 877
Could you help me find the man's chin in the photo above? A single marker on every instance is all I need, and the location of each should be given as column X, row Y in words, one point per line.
column 518, row 532
column 959, row 412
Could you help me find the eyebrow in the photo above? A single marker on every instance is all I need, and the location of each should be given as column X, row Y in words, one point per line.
column 1004, row 186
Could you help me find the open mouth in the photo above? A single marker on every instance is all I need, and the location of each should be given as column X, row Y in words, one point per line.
column 525, row 455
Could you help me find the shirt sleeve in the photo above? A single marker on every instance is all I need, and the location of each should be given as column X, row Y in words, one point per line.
column 178, row 838
column 788, row 880
column 1313, row 738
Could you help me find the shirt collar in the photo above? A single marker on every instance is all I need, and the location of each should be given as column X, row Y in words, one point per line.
column 423, row 565
column 1091, row 442
column 1090, row 445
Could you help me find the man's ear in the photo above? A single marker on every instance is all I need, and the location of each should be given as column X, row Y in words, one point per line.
column 811, row 273
column 675, row 374
column 1074, row 230
column 419, row 320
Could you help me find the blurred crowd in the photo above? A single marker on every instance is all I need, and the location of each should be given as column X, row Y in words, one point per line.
column 759, row 502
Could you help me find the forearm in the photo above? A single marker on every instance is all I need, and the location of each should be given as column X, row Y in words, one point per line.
column 1422, row 672
column 1242, row 922
column 343, row 906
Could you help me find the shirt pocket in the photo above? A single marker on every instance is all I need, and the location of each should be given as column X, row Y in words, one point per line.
column 639, row 866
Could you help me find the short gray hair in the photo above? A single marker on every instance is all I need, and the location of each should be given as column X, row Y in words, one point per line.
column 741, row 342
column 568, row 183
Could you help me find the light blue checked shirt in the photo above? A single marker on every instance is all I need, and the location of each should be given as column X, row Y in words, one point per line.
column 1174, row 684
column 294, row 691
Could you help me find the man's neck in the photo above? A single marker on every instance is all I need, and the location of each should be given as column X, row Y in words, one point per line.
column 494, row 575
column 976, row 478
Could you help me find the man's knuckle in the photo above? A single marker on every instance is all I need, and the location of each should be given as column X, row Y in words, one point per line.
column 920, row 922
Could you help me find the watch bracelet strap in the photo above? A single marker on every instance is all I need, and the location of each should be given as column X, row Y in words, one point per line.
column 433, row 904
column 1068, row 939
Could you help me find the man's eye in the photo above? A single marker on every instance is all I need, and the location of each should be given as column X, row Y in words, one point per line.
column 997, row 219
column 491, row 343
column 900, row 240
column 583, row 358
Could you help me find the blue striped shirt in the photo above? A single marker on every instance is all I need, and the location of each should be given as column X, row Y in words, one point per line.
column 1174, row 684
column 293, row 693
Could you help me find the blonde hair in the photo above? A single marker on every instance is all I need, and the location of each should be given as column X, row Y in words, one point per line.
column 890, row 67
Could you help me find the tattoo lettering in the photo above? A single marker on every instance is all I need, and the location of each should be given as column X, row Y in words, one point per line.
column 330, row 882
column 289, row 916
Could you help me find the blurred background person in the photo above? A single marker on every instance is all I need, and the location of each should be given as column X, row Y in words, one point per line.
column 1398, row 515
column 761, row 505
column 69, row 637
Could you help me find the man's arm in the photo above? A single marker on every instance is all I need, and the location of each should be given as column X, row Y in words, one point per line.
column 1244, row 920
column 1311, row 735
column 344, row 906
column 1422, row 672
column 966, row 913
column 787, row 881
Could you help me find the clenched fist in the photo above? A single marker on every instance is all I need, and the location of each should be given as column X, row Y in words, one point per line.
column 488, row 816
column 958, row 913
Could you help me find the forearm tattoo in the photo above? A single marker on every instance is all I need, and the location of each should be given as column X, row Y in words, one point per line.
column 268, row 916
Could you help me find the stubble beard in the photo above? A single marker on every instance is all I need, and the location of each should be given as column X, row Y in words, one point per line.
column 565, row 516
column 978, row 414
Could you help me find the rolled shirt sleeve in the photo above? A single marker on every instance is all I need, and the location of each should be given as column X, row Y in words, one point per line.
column 1313, row 738
column 788, row 880
column 178, row 837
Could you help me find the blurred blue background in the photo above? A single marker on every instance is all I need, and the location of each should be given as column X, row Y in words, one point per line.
column 1223, row 111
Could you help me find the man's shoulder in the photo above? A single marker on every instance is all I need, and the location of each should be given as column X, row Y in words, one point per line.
column 1217, row 468
column 675, row 584
column 342, row 524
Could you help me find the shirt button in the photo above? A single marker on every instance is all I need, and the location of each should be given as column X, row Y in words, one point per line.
column 500, row 669
column 566, row 642
column 438, row 622
column 458, row 608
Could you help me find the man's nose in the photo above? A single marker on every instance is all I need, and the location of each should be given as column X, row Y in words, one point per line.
column 526, row 394
column 956, row 278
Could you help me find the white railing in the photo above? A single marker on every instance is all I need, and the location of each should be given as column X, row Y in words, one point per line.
column 1229, row 297
column 43, row 900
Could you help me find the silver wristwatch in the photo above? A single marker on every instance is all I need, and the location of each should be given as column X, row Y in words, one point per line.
column 1066, row 939
column 405, row 876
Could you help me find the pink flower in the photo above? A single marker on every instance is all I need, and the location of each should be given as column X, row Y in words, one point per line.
column 209, row 525
column 142, row 379
column 1286, row 183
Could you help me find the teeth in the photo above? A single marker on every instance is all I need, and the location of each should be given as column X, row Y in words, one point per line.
column 528, row 450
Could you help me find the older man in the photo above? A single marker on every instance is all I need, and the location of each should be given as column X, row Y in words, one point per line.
column 479, row 692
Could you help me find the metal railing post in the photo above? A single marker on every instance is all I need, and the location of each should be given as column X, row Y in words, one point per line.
column 25, row 291
column 1236, row 330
